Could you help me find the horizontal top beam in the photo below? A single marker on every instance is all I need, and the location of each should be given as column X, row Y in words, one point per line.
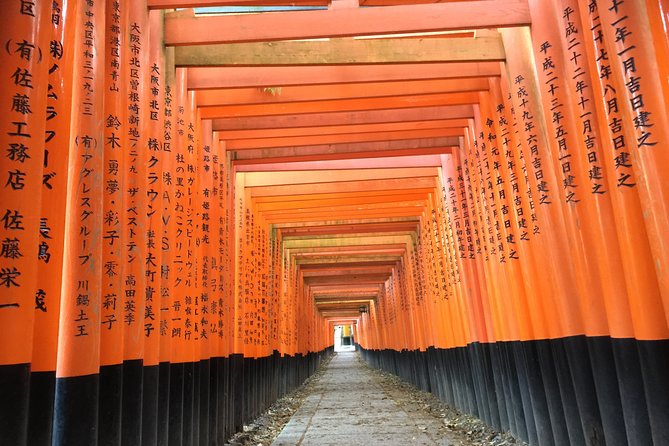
column 400, row 115
column 365, row 163
column 342, row 129
column 342, row 52
column 301, row 163
column 295, row 141
column 173, row 4
column 256, row 179
column 194, row 30
column 200, row 78
column 427, row 100
column 256, row 95
column 351, row 186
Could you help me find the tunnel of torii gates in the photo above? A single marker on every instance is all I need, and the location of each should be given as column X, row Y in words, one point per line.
column 191, row 201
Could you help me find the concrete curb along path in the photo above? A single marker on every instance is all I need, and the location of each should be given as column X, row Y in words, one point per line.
column 349, row 406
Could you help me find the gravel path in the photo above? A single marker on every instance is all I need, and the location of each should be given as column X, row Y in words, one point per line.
column 347, row 402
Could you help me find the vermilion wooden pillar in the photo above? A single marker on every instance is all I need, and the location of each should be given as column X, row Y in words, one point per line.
column 135, row 230
column 76, row 401
column 114, row 221
column 52, row 222
column 167, row 240
column 26, row 33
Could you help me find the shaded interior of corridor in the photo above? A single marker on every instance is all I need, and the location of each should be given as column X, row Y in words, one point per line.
column 194, row 193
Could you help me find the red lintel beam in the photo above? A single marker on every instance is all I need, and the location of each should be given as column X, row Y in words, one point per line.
column 256, row 95
column 343, row 129
column 397, row 160
column 348, row 194
column 342, row 52
column 294, row 141
column 268, row 158
column 399, row 115
column 428, row 100
column 174, row 4
column 196, row 30
column 349, row 228
column 354, row 186
column 207, row 78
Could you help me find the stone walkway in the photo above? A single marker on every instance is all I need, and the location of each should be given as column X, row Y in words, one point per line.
column 348, row 406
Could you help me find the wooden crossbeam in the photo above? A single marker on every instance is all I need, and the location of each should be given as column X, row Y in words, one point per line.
column 342, row 52
column 257, row 179
column 414, row 207
column 401, row 115
column 337, row 201
column 319, row 217
column 257, row 95
column 411, row 101
column 294, row 141
column 375, row 184
column 316, row 230
column 194, row 30
column 173, row 4
column 391, row 161
column 342, row 129
column 237, row 77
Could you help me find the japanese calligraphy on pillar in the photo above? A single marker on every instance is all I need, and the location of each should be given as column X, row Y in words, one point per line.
column 115, row 141
column 24, row 71
column 582, row 89
column 153, row 156
column 558, row 120
column 80, row 319
column 180, row 248
column 54, row 189
column 621, row 155
column 514, row 165
column 134, row 166
column 530, row 131
column 168, row 221
column 625, row 52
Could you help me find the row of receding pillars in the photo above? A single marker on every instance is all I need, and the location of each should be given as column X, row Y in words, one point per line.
column 550, row 232
column 118, row 306
column 126, row 236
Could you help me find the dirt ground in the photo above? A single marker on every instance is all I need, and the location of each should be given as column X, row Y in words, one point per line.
column 436, row 419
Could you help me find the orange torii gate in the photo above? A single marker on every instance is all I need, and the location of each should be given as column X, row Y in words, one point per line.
column 479, row 187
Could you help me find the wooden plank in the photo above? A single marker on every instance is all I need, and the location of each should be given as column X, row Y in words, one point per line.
column 333, row 223
column 237, row 77
column 345, row 118
column 428, row 100
column 180, row 30
column 371, row 163
column 295, row 141
column 343, row 129
column 368, row 185
column 342, row 52
column 343, row 209
column 256, row 179
column 391, row 213
column 314, row 204
column 347, row 151
column 174, row 4
column 257, row 95
column 315, row 252
column 348, row 258
column 317, row 230
column 349, row 194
